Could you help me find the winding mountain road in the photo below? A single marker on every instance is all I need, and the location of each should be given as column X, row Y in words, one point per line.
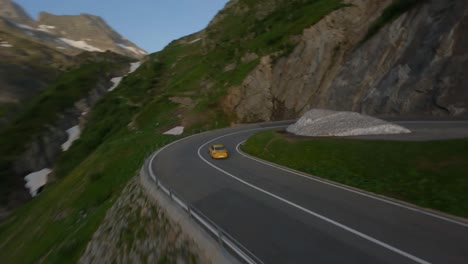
column 282, row 216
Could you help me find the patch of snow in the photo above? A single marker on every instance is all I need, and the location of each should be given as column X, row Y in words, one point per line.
column 36, row 180
column 195, row 40
column 24, row 26
column 5, row 44
column 116, row 81
column 134, row 66
column 81, row 45
column 319, row 122
column 73, row 134
column 132, row 49
column 45, row 28
column 178, row 130
column 60, row 47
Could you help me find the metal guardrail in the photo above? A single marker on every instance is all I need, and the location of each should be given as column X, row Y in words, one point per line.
column 223, row 238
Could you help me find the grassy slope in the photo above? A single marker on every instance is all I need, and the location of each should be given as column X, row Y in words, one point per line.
column 96, row 168
column 43, row 110
column 429, row 174
column 126, row 126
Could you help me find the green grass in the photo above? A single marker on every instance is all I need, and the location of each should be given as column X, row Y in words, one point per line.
column 429, row 174
column 45, row 109
column 89, row 176
column 57, row 226
column 126, row 126
column 271, row 33
column 392, row 12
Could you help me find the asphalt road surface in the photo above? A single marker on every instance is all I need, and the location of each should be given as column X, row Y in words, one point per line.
column 286, row 217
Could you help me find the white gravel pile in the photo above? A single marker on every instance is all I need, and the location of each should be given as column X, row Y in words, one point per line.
column 320, row 122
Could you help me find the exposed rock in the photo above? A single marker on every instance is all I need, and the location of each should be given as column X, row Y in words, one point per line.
column 69, row 34
column 319, row 122
column 294, row 80
column 414, row 66
column 248, row 57
column 230, row 67
column 11, row 10
column 135, row 230
column 90, row 30
column 185, row 102
column 253, row 100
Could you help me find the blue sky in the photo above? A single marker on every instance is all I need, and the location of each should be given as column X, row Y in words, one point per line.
column 151, row 24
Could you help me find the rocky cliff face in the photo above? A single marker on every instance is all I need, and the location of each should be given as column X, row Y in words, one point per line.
column 412, row 66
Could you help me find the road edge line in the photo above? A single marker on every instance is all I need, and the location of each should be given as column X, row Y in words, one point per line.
column 382, row 198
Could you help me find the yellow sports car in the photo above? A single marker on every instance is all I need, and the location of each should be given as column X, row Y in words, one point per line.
column 218, row 151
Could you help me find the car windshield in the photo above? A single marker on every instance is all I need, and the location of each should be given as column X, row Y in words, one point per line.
column 219, row 148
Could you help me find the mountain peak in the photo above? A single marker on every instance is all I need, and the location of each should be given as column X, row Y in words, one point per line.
column 12, row 11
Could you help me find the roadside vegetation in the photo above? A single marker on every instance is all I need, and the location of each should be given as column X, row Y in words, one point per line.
column 127, row 125
column 392, row 12
column 429, row 174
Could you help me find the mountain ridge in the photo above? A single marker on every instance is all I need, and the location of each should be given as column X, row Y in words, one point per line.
column 70, row 34
column 12, row 10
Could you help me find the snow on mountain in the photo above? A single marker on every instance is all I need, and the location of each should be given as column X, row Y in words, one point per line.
column 45, row 28
column 178, row 130
column 73, row 134
column 5, row 44
column 134, row 66
column 70, row 34
column 116, row 80
column 81, row 44
column 36, row 180
column 132, row 49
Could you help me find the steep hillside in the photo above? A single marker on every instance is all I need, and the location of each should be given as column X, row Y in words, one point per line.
column 256, row 60
column 411, row 63
column 35, row 53
column 26, row 69
column 32, row 141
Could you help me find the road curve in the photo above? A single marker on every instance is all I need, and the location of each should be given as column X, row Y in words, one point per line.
column 283, row 216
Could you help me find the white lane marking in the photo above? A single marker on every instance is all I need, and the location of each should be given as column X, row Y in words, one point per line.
column 333, row 222
column 247, row 258
column 313, row 178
